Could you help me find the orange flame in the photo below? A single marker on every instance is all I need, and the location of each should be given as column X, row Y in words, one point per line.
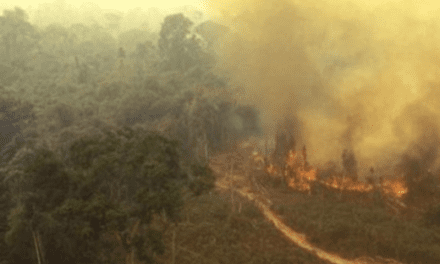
column 304, row 178
column 272, row 170
column 395, row 187
column 291, row 160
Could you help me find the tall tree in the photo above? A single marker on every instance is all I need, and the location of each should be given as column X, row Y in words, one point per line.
column 57, row 38
column 131, row 38
column 112, row 181
column 17, row 117
column 179, row 48
column 16, row 33
column 349, row 163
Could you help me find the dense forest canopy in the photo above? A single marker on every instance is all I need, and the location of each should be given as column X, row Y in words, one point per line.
column 103, row 127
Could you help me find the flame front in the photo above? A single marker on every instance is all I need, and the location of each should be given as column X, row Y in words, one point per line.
column 395, row 187
column 300, row 177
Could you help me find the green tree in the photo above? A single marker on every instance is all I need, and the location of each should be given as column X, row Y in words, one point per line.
column 102, row 39
column 179, row 48
column 17, row 34
column 91, row 39
column 56, row 38
column 5, row 207
column 142, row 171
column 112, row 181
column 131, row 38
column 17, row 117
column 39, row 184
column 80, row 30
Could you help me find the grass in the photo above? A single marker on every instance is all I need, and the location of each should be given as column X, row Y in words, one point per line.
column 213, row 233
column 353, row 230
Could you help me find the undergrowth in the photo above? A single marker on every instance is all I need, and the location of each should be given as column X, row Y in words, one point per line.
column 213, row 233
column 352, row 230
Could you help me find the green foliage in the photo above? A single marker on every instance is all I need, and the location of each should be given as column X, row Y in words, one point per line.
column 102, row 39
column 15, row 115
column 42, row 186
column 137, row 108
column 81, row 224
column 19, row 37
column 46, row 181
column 354, row 230
column 111, row 91
column 84, row 150
column 61, row 115
column 89, row 218
column 5, row 207
column 135, row 167
column 179, row 50
column 157, row 101
column 76, row 179
column 56, row 38
column 146, row 245
column 130, row 39
column 216, row 234
column 146, row 51
column 106, row 178
column 18, row 247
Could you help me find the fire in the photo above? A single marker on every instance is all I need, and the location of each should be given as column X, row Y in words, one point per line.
column 307, row 175
column 300, row 177
column 303, row 179
column 292, row 159
column 272, row 170
column 395, row 187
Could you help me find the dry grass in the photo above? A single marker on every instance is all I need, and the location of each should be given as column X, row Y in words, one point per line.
column 352, row 230
column 214, row 233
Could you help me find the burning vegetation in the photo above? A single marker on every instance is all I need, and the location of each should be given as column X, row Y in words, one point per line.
column 411, row 181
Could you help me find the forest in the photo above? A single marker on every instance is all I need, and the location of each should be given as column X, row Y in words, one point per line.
column 103, row 131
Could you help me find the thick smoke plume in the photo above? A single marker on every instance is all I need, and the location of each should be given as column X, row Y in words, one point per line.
column 358, row 76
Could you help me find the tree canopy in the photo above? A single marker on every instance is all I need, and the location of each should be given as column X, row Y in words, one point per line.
column 178, row 46
column 94, row 151
column 106, row 182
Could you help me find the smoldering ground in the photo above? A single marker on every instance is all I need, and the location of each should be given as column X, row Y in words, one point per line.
column 362, row 76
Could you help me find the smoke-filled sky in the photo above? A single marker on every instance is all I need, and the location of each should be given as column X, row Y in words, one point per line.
column 67, row 12
column 361, row 75
column 115, row 5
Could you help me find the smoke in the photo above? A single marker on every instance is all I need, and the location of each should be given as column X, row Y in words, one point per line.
column 361, row 76
column 349, row 163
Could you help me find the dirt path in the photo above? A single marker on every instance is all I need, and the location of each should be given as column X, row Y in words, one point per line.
column 299, row 239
